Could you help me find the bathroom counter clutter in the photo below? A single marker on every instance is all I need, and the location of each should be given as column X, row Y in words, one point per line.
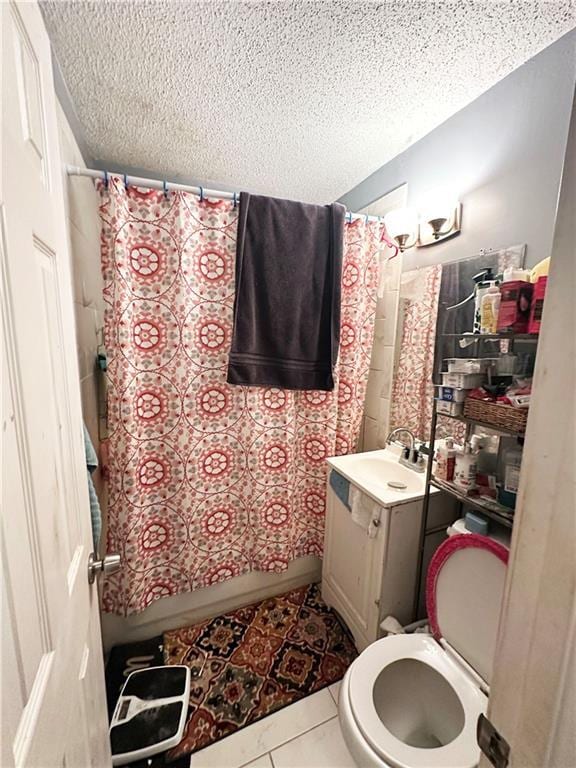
column 484, row 360
column 489, row 507
column 380, row 475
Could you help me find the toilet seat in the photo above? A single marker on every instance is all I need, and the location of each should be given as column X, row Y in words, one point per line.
column 462, row 751
column 413, row 701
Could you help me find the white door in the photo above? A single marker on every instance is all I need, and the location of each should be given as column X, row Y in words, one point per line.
column 533, row 693
column 53, row 699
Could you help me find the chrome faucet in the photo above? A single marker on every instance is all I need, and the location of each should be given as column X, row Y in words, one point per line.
column 406, row 431
column 410, row 457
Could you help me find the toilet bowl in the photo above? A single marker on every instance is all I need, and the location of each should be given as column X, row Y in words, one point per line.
column 413, row 701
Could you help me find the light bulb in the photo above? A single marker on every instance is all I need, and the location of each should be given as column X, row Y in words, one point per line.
column 437, row 211
column 401, row 224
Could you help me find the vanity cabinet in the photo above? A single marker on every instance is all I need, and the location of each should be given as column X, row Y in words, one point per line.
column 366, row 579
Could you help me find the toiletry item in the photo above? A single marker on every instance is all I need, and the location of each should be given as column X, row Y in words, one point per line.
column 470, row 364
column 540, row 270
column 519, row 401
column 507, row 364
column 450, row 408
column 515, row 302
column 515, row 273
column 489, row 308
column 506, row 499
column 475, row 523
column 497, row 533
column 451, row 394
column 462, row 380
column 512, row 460
column 465, row 468
column 509, row 464
column 526, row 363
column 446, row 460
column 483, row 281
column 537, row 305
column 486, row 483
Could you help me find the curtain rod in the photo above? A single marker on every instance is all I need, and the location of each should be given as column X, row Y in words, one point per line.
column 137, row 181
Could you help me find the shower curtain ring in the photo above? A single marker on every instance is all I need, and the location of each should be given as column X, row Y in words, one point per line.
column 201, row 194
column 165, row 187
column 125, row 182
column 367, row 218
column 234, row 199
column 106, row 179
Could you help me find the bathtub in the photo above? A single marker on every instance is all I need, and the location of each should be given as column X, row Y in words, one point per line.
column 192, row 607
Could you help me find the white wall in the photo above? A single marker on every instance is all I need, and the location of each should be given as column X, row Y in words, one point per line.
column 84, row 233
column 502, row 154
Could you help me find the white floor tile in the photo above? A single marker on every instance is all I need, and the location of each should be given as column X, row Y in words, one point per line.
column 335, row 691
column 267, row 734
column 322, row 747
column 261, row 762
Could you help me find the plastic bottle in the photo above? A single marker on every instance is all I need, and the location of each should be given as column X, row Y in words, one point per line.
column 514, row 274
column 489, row 308
column 512, row 460
column 510, row 475
column 540, row 270
column 482, row 282
column 507, row 364
column 465, row 468
column 446, row 460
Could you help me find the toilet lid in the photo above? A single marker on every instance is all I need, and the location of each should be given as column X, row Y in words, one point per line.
column 464, row 592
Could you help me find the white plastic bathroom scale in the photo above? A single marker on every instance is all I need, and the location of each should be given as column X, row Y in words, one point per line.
column 150, row 714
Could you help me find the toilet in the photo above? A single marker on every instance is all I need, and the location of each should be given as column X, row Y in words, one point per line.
column 413, row 701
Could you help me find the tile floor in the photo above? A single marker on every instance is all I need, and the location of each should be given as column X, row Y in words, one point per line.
column 303, row 735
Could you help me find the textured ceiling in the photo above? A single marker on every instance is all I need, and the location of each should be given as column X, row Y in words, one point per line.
column 293, row 98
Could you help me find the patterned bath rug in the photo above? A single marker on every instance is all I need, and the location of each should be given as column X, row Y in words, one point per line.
column 253, row 661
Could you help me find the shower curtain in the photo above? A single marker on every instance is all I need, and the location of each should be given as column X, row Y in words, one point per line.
column 209, row 481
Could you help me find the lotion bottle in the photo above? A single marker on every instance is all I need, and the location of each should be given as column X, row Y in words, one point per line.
column 489, row 309
column 465, row 468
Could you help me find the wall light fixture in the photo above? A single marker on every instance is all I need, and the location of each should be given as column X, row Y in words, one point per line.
column 437, row 220
column 402, row 225
column 439, row 217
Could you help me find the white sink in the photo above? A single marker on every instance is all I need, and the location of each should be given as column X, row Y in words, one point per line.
column 379, row 473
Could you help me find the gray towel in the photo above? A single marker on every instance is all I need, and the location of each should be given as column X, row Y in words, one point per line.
column 287, row 304
column 95, row 512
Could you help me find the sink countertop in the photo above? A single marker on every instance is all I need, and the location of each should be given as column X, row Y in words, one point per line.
column 372, row 470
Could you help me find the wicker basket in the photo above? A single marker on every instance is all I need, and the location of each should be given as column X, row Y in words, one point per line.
column 496, row 415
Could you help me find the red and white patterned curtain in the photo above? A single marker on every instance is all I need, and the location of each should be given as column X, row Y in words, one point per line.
column 412, row 388
column 209, row 481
